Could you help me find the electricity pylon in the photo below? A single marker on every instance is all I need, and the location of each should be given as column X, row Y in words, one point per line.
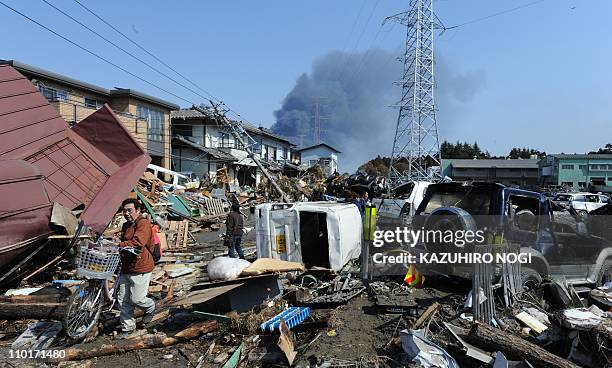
column 416, row 145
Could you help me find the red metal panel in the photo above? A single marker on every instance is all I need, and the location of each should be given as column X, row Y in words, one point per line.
column 25, row 209
column 129, row 161
column 93, row 166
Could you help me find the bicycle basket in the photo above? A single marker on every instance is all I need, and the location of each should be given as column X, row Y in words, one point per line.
column 97, row 263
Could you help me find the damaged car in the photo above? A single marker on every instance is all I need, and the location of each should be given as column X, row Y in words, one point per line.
column 556, row 239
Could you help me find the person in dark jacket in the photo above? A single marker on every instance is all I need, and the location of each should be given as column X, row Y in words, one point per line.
column 233, row 234
column 136, row 269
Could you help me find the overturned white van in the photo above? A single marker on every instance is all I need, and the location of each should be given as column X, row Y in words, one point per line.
column 319, row 234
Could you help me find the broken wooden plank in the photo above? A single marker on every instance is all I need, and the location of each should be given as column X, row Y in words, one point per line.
column 29, row 310
column 515, row 348
column 159, row 340
column 198, row 297
column 426, row 315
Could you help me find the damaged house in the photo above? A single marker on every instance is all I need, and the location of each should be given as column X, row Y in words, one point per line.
column 145, row 117
column 45, row 164
column 203, row 148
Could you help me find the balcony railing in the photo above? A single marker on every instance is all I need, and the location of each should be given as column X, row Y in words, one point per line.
column 231, row 145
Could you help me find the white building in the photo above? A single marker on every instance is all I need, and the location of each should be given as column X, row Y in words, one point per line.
column 322, row 154
column 202, row 147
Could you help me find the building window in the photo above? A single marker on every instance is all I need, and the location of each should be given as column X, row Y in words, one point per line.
column 155, row 122
column 567, row 167
column 610, row 178
column 53, row 94
column 238, row 145
column 582, row 184
column 313, row 162
column 582, row 167
column 184, row 130
column 225, row 141
column 91, row 103
column 567, row 183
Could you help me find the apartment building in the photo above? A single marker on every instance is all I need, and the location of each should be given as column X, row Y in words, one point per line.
column 146, row 117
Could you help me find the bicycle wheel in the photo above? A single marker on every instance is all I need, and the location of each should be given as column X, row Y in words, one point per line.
column 83, row 309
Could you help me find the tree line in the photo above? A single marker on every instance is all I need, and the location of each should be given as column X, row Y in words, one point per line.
column 462, row 150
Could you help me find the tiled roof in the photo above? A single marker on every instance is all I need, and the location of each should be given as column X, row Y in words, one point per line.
column 187, row 114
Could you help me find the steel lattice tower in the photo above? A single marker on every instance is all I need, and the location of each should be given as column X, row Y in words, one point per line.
column 416, row 134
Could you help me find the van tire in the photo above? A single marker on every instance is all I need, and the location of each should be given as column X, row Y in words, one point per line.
column 530, row 278
column 605, row 274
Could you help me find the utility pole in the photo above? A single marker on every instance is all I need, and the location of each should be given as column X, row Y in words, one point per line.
column 238, row 131
column 416, row 132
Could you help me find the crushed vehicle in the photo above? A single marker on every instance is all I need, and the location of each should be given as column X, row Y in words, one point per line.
column 521, row 218
column 177, row 180
column 319, row 234
column 399, row 209
column 582, row 202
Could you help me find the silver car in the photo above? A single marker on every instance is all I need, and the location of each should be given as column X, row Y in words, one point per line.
column 583, row 203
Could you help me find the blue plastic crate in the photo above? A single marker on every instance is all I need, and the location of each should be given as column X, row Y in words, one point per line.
column 293, row 316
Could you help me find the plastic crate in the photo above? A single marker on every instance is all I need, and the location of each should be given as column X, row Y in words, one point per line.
column 97, row 261
column 293, row 316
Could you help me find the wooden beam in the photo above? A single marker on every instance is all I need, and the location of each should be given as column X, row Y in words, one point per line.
column 514, row 347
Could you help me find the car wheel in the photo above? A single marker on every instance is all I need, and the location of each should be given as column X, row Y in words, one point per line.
column 605, row 274
column 530, row 278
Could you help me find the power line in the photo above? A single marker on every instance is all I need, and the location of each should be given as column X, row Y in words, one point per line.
column 231, row 111
column 495, row 14
column 145, row 50
column 93, row 53
column 347, row 62
column 122, row 49
column 354, row 25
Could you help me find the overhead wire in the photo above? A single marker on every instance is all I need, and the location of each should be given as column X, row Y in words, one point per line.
column 123, row 50
column 93, row 53
column 347, row 59
column 146, row 51
column 231, row 111
column 480, row 19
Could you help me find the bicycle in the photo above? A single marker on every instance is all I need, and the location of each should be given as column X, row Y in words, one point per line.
column 97, row 264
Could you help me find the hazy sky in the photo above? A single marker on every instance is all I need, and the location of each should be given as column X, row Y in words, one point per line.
column 537, row 77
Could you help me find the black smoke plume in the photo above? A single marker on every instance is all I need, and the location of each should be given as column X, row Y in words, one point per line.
column 356, row 93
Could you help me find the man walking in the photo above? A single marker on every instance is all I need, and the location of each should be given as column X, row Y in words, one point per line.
column 135, row 268
column 233, row 233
